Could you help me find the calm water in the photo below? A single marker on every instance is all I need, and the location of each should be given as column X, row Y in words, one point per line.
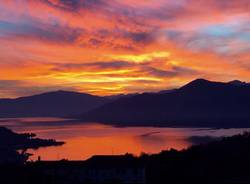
column 86, row 139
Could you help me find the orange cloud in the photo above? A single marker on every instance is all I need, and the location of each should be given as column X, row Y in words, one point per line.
column 109, row 47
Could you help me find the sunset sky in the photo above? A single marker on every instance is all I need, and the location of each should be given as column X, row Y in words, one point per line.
column 107, row 47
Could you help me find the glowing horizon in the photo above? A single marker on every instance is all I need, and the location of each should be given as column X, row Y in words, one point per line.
column 120, row 46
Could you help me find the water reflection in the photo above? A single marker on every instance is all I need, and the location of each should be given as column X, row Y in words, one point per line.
column 153, row 141
column 86, row 139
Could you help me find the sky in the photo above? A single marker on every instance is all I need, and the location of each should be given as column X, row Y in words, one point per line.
column 106, row 47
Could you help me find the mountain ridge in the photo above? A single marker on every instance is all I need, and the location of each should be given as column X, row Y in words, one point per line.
column 50, row 104
column 198, row 103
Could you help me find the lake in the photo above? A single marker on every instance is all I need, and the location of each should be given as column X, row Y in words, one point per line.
column 84, row 140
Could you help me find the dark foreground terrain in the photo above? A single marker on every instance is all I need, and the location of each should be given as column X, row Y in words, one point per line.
column 13, row 146
column 222, row 161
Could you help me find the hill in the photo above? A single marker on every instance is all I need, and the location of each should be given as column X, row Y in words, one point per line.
column 198, row 103
column 52, row 104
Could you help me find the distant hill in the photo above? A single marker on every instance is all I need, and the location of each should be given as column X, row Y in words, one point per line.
column 199, row 103
column 115, row 97
column 52, row 104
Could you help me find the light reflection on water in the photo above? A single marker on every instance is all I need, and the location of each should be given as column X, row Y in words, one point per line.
column 86, row 139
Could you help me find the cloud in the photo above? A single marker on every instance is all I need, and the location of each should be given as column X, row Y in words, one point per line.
column 141, row 37
column 123, row 46
column 160, row 73
column 38, row 31
column 174, row 72
column 14, row 88
column 111, row 65
column 74, row 5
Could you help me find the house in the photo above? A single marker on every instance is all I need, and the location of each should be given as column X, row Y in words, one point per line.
column 124, row 169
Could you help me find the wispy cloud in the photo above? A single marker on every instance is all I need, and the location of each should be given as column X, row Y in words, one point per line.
column 124, row 46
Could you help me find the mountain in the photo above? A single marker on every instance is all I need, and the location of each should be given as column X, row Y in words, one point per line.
column 52, row 104
column 239, row 83
column 198, row 103
column 115, row 97
column 166, row 91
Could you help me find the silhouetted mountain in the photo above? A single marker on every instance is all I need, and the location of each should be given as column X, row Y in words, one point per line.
column 166, row 91
column 199, row 103
column 239, row 83
column 115, row 97
column 52, row 104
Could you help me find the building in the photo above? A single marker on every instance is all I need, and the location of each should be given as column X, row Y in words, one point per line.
column 124, row 169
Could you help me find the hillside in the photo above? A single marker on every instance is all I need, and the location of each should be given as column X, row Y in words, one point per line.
column 52, row 104
column 199, row 103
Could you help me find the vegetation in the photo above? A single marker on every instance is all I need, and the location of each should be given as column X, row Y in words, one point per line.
column 13, row 146
column 222, row 161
